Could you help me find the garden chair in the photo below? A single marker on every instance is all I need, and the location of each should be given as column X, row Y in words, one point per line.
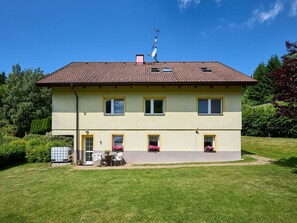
column 118, row 159
column 97, row 159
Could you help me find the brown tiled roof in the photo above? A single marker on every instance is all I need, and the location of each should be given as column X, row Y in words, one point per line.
column 129, row 73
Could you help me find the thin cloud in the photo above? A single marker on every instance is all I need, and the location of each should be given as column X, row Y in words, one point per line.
column 218, row 2
column 184, row 4
column 265, row 16
column 293, row 10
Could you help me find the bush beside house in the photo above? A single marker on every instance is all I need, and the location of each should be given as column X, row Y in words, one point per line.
column 32, row 148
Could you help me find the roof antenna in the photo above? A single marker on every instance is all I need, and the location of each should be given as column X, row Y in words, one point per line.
column 154, row 47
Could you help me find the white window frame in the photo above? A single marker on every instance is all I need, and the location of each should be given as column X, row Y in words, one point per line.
column 213, row 142
column 113, row 141
column 152, row 106
column 112, row 106
column 158, row 143
column 209, row 106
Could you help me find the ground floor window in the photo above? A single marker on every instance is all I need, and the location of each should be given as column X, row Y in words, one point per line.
column 118, row 143
column 209, row 143
column 153, row 143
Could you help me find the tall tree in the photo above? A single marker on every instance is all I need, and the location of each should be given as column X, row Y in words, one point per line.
column 23, row 101
column 262, row 92
column 2, row 78
column 285, row 82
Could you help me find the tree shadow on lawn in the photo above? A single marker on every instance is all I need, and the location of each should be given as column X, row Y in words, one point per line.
column 289, row 162
column 12, row 165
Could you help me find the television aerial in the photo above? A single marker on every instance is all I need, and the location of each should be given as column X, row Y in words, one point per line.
column 154, row 49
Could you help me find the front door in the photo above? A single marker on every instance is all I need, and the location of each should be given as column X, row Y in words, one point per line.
column 88, row 148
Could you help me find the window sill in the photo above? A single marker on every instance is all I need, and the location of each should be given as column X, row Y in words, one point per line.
column 199, row 114
column 154, row 150
column 161, row 114
column 118, row 150
column 114, row 114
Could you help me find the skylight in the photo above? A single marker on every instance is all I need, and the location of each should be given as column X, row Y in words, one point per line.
column 155, row 70
column 166, row 69
column 205, row 69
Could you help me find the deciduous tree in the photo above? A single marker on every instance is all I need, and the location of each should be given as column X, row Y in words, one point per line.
column 285, row 82
column 23, row 101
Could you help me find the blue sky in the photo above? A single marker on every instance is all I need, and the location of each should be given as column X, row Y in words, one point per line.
column 52, row 33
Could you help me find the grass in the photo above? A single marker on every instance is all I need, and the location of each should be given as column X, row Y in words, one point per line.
column 39, row 193
column 284, row 150
column 275, row 148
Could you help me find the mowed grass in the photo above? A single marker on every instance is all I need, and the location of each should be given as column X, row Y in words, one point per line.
column 267, row 193
column 275, row 148
column 38, row 193
column 283, row 150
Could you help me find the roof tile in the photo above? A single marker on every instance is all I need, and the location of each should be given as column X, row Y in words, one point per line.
column 110, row 73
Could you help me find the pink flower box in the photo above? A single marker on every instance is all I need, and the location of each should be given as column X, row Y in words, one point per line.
column 154, row 147
column 117, row 147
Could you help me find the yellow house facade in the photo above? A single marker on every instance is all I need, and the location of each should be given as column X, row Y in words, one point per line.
column 151, row 121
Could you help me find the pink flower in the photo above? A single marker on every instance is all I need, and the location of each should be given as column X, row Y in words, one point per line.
column 117, row 147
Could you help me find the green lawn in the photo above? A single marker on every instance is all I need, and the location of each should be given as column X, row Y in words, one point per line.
column 38, row 193
column 284, row 150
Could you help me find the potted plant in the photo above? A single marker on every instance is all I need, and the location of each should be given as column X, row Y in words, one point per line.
column 79, row 162
column 106, row 152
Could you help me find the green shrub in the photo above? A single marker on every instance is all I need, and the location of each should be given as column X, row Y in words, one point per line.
column 38, row 149
column 32, row 136
column 263, row 121
column 41, row 126
column 67, row 140
column 12, row 152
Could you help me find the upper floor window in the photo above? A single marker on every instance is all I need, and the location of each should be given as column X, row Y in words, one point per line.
column 114, row 106
column 154, row 106
column 210, row 106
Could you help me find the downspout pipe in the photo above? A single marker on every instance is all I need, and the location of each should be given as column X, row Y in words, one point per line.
column 77, row 123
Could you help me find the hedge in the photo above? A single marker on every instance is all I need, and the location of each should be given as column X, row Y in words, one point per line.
column 263, row 121
column 41, row 126
column 39, row 150
column 13, row 152
column 32, row 148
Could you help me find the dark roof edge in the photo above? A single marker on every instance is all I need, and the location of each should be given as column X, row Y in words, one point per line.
column 240, row 83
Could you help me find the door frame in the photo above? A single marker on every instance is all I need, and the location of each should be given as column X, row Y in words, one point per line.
column 84, row 137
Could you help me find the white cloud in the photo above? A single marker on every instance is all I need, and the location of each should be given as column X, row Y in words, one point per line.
column 265, row 16
column 184, row 4
column 293, row 10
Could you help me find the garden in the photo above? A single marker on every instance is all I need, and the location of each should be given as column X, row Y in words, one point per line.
column 36, row 192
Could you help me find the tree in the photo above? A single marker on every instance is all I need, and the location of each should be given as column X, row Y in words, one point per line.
column 262, row 92
column 23, row 101
column 285, row 82
column 272, row 64
column 2, row 78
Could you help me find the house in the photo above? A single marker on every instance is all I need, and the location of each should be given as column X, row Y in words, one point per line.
column 154, row 112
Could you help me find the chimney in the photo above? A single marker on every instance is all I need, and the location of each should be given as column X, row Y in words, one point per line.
column 139, row 59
